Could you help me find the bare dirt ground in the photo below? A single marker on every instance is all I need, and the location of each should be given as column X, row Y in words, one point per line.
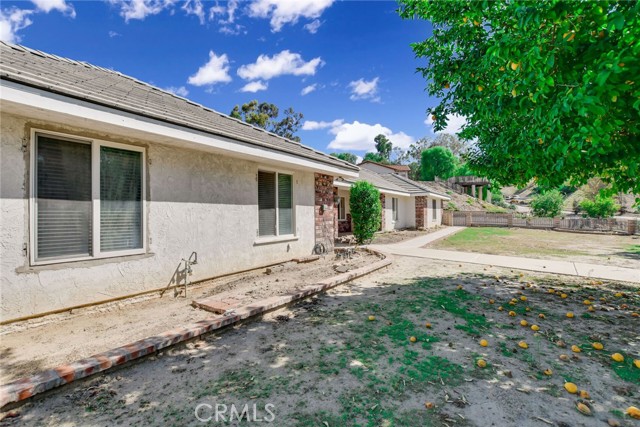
column 398, row 236
column 29, row 347
column 322, row 362
column 605, row 249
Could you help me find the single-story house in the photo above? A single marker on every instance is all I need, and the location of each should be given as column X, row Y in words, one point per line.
column 402, row 170
column 108, row 184
column 405, row 203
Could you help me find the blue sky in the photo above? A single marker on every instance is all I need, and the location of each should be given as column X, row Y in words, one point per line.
column 347, row 66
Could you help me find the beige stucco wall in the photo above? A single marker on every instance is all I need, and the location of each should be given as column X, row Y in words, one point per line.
column 196, row 201
column 438, row 220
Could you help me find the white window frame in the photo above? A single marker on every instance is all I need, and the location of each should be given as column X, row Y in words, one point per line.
column 95, row 197
column 342, row 207
column 395, row 208
column 277, row 236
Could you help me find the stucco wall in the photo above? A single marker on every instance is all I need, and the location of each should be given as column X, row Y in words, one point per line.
column 196, row 201
column 438, row 220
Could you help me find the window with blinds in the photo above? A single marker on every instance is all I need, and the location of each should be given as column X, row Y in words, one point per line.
column 275, row 204
column 68, row 224
column 433, row 209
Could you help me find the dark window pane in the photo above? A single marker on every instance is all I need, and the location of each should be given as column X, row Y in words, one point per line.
column 267, row 203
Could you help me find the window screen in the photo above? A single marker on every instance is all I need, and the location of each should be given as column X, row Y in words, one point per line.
column 63, row 198
column 285, row 204
column 120, row 199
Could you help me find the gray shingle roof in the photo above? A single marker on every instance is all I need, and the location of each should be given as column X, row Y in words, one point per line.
column 410, row 186
column 112, row 89
column 376, row 179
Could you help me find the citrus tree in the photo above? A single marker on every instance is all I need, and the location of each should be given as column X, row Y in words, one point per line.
column 366, row 210
column 550, row 90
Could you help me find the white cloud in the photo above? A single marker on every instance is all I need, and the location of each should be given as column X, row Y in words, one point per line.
column 313, row 26
column 59, row 5
column 180, row 91
column 140, row 9
column 283, row 12
column 11, row 21
column 282, row 63
column 254, row 87
column 311, row 125
column 113, row 34
column 194, row 7
column 454, row 124
column 362, row 89
column 214, row 71
column 308, row 89
column 359, row 136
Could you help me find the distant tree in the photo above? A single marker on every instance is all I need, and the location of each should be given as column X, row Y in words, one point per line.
column 375, row 157
column 548, row 204
column 600, row 207
column 383, row 146
column 265, row 115
column 452, row 142
column 437, row 161
column 347, row 157
column 462, row 169
column 366, row 210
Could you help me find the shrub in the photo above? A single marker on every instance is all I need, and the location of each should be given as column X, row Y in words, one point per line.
column 600, row 207
column 547, row 204
column 366, row 209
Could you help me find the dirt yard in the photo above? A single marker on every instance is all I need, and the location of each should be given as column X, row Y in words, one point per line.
column 622, row 251
column 390, row 237
column 324, row 363
column 29, row 347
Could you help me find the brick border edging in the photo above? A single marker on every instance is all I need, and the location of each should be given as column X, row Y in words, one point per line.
column 25, row 388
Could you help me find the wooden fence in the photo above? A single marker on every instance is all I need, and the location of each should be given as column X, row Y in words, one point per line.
column 485, row 219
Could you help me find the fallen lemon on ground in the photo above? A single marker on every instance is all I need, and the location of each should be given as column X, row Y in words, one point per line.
column 523, row 344
column 491, row 301
column 598, row 345
column 523, row 323
column 413, row 339
column 484, row 343
column 523, row 298
column 633, row 412
column 583, row 408
column 564, row 357
column 617, row 357
column 575, row 349
column 427, row 325
column 618, row 294
column 571, row 388
column 548, row 372
column 428, row 405
column 372, row 317
column 570, row 315
column 500, row 308
column 563, row 296
column 512, row 313
column 541, row 316
column 459, row 287
column 586, row 302
column 591, row 308
column 481, row 363
column 535, row 328
column 636, row 363
column 585, row 394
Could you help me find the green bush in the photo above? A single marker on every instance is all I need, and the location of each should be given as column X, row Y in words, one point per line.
column 366, row 209
column 600, row 207
column 547, row 204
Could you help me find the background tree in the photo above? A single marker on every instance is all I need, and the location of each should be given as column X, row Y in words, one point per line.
column 265, row 115
column 366, row 210
column 375, row 157
column 347, row 157
column 549, row 90
column 457, row 146
column 548, row 204
column 599, row 207
column 437, row 161
column 383, row 146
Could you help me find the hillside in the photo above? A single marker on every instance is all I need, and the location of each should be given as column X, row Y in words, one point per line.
column 461, row 202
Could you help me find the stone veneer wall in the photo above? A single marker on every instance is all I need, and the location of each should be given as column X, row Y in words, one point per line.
column 421, row 211
column 382, row 217
column 326, row 220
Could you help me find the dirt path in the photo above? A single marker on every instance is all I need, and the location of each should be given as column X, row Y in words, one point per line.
column 30, row 347
column 323, row 363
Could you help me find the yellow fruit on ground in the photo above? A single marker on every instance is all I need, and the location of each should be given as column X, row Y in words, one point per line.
column 535, row 328
column 564, row 357
column 481, row 363
column 561, row 343
column 429, row 405
column 523, row 298
column 591, row 308
column 563, row 296
column 636, row 363
column 634, row 314
column 575, row 349
column 552, row 291
column 413, row 339
column 570, row 315
column 586, row 302
column 581, row 407
column 484, row 343
column 500, row 308
column 618, row 294
column 491, row 301
column 512, row 313
column 541, row 316
column 372, row 318
column 427, row 325
column 459, row 287
column 548, row 371
column 633, row 412
column 617, row 357
column 598, row 345
column 571, row 388
column 523, row 344
column 523, row 323
column 527, row 309
column 585, row 394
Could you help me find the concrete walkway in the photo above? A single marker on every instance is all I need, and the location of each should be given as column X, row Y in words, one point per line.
column 413, row 248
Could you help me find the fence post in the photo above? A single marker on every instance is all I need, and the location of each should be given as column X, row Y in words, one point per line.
column 556, row 222
column 510, row 221
column 467, row 219
column 631, row 226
